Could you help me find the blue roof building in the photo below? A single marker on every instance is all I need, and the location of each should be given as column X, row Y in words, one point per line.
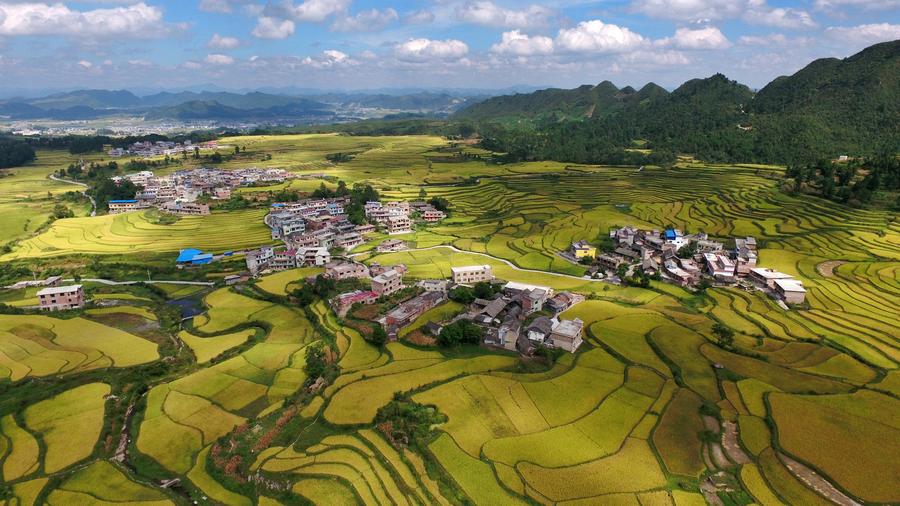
column 202, row 259
column 125, row 201
column 187, row 255
column 671, row 235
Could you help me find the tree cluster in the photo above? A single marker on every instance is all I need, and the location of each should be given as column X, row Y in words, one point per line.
column 854, row 182
column 14, row 153
column 460, row 332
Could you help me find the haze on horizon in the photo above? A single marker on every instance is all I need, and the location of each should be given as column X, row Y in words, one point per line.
column 368, row 44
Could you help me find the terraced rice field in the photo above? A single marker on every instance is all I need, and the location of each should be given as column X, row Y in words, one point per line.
column 637, row 416
column 38, row 346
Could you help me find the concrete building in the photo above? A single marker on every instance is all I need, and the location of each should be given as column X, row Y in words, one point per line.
column 719, row 266
column 343, row 302
column 346, row 270
column 387, row 283
column 434, row 285
column 313, row 256
column 567, row 334
column 471, row 274
column 399, row 224
column 123, row 206
column 766, row 277
column 582, row 249
column 790, row 290
column 390, row 245
column 59, row 298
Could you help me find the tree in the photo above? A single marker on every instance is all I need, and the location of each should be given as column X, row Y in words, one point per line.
column 460, row 332
column 724, row 333
column 15, row 153
column 379, row 336
column 462, row 294
column 422, row 193
column 484, row 290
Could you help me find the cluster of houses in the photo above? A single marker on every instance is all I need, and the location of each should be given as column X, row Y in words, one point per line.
column 509, row 320
column 160, row 148
column 397, row 217
column 655, row 252
column 178, row 193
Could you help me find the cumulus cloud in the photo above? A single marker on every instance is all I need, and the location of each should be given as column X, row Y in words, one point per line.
column 428, row 49
column 312, row 11
column 222, row 6
column 219, row 42
column 137, row 20
column 759, row 12
column 85, row 64
column 520, row 44
column 421, row 17
column 219, row 59
column 773, row 39
column 690, row 10
column 598, row 37
column 490, row 14
column 709, row 37
column 273, row 28
column 328, row 58
column 371, row 20
column 654, row 58
column 865, row 34
column 868, row 5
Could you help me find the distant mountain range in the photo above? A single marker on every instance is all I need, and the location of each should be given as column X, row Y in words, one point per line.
column 831, row 106
column 222, row 105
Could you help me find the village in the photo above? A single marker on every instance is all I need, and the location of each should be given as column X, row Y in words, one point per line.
column 691, row 260
column 513, row 316
column 182, row 191
column 162, row 148
column 314, row 229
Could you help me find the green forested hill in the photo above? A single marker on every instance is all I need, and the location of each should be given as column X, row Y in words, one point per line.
column 831, row 107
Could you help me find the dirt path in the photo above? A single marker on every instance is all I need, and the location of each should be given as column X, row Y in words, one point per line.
column 816, row 482
column 731, row 445
column 827, row 268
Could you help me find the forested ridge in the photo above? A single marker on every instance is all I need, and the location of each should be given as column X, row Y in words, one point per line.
column 829, row 108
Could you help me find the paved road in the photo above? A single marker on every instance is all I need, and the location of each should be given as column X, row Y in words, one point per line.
column 83, row 192
column 504, row 261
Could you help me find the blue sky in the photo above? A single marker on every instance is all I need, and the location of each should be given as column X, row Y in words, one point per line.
column 366, row 44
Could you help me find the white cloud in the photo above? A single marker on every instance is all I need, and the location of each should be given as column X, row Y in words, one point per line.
column 773, row 39
column 273, row 28
column 428, row 49
column 137, row 20
column 690, row 10
column 219, row 42
column 598, row 37
column 329, row 58
column 422, row 17
column 314, row 11
column 222, row 6
column 865, row 34
column 701, row 38
column 520, row 44
column 371, row 20
column 868, row 5
column 85, row 64
column 219, row 59
column 490, row 14
column 760, row 13
column 643, row 56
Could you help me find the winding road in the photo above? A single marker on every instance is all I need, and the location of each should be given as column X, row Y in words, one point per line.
column 83, row 192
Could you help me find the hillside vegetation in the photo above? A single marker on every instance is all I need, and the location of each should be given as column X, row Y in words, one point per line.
column 831, row 107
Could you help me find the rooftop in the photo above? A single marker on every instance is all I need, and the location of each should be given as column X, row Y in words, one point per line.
column 469, row 268
column 53, row 290
column 790, row 285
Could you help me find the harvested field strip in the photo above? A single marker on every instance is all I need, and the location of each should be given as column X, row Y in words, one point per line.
column 473, row 476
column 632, row 469
column 598, row 434
column 69, row 424
column 854, row 441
